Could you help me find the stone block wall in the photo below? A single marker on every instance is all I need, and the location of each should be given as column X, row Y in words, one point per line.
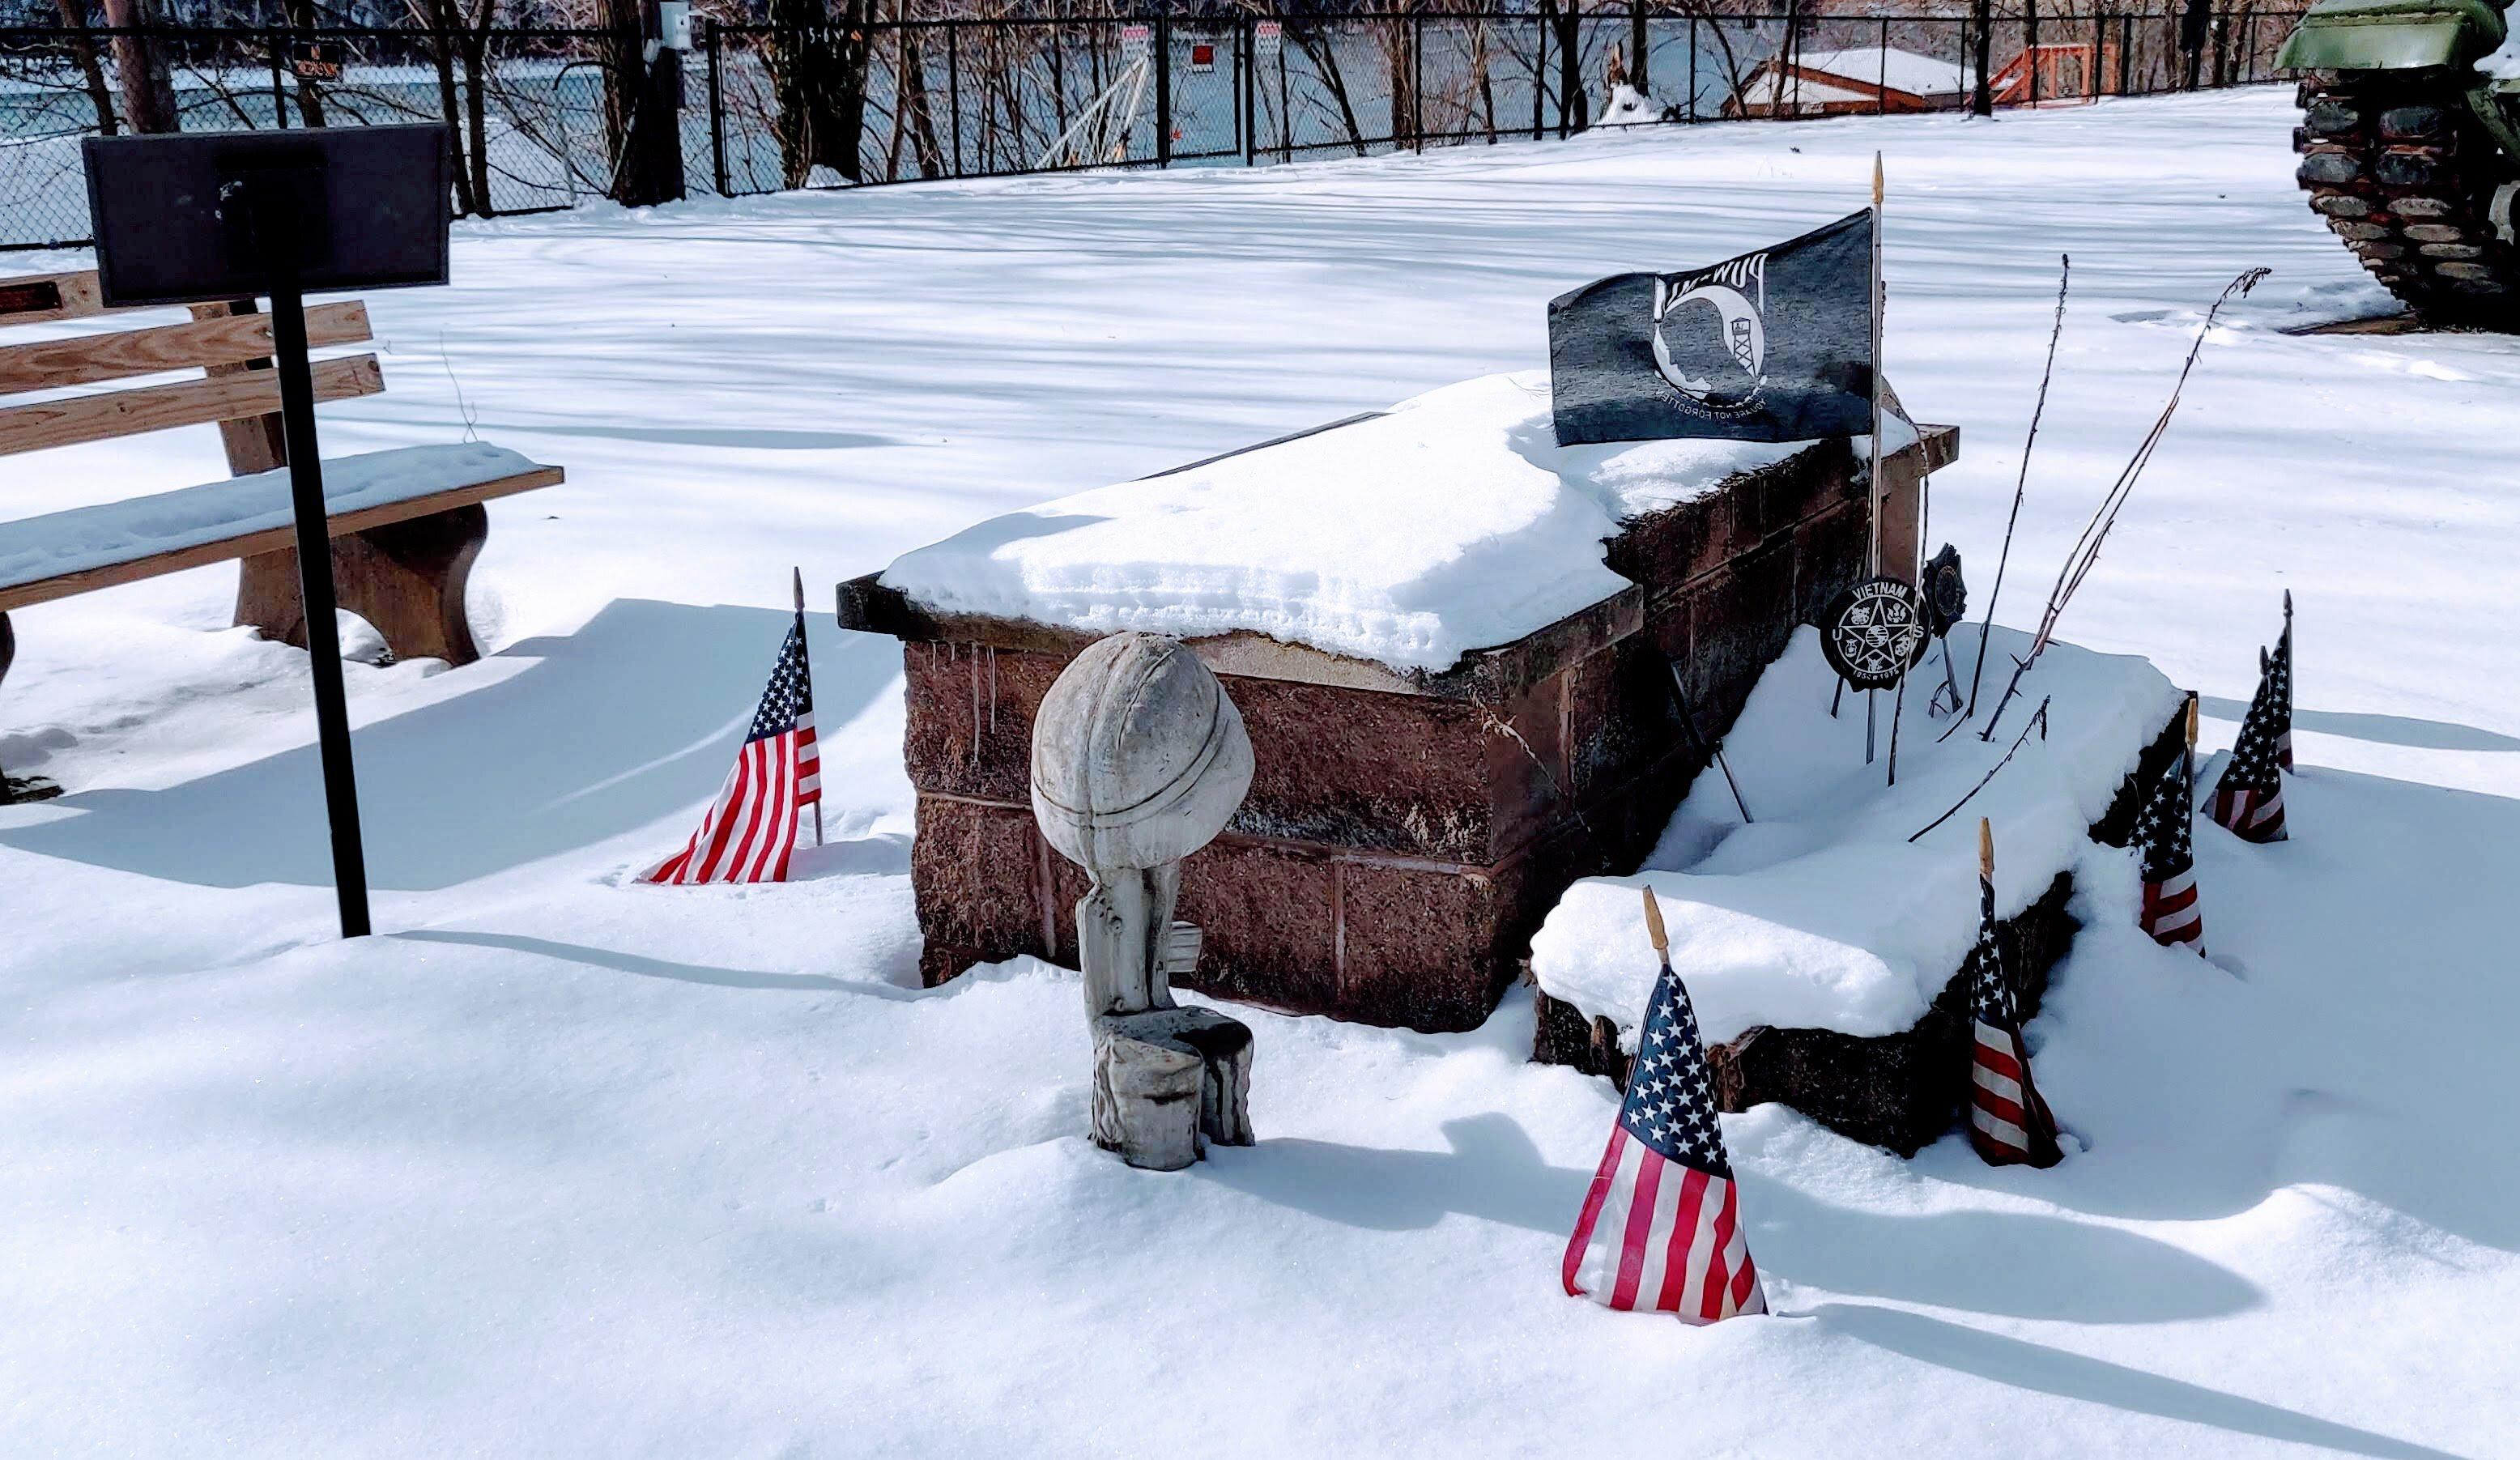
column 1405, row 834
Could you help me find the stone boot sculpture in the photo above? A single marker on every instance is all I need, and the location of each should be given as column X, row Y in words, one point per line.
column 1138, row 760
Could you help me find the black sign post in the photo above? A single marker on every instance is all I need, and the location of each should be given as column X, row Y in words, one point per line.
column 185, row 218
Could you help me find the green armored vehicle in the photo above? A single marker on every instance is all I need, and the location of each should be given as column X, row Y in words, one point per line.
column 2412, row 154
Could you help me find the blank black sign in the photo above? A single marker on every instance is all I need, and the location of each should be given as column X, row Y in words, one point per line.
column 371, row 204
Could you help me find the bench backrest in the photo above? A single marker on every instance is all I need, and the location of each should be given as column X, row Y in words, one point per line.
column 230, row 342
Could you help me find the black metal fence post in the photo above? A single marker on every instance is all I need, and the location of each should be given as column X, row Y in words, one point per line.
column 953, row 90
column 278, row 43
column 717, row 112
column 1417, row 81
column 1692, row 67
column 1641, row 41
column 1246, row 41
column 2030, row 46
column 1881, row 98
column 1162, row 58
column 1539, row 76
column 2126, row 54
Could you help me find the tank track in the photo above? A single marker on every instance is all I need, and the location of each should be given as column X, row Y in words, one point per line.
column 2401, row 171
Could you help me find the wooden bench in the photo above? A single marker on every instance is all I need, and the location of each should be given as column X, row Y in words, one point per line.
column 405, row 523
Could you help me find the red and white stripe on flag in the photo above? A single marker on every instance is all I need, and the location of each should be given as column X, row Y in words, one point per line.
column 1662, row 1236
column 809, row 762
column 2252, row 815
column 2009, row 1122
column 2169, row 911
column 750, row 830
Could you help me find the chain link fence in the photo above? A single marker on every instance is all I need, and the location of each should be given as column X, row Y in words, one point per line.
column 540, row 115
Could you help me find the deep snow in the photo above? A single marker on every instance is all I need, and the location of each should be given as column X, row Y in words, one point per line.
column 561, row 1166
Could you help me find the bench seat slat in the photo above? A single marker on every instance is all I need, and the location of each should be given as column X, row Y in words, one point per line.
column 203, row 402
column 63, row 552
column 225, row 339
column 33, row 299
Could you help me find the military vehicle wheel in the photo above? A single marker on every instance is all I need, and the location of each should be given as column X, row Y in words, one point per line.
column 2404, row 174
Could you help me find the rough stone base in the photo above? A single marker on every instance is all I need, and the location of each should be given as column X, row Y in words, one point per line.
column 1901, row 1090
column 1896, row 1090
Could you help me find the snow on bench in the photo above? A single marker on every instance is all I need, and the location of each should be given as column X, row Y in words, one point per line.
column 1451, row 522
column 239, row 516
column 1820, row 915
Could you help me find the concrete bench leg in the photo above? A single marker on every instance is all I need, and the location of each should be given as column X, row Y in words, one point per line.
column 406, row 578
column 18, row 788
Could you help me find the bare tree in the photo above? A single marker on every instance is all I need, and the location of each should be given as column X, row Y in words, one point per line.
column 641, row 105
column 818, row 64
column 311, row 101
column 140, row 63
column 73, row 15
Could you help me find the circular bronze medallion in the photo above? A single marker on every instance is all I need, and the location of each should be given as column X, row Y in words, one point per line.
column 1946, row 593
column 1873, row 632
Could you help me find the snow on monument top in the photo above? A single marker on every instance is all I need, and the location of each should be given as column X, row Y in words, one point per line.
column 1822, row 914
column 1452, row 522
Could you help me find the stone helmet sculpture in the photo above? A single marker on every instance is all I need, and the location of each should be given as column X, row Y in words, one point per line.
column 1137, row 757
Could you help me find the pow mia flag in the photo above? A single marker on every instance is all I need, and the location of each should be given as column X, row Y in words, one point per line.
column 1775, row 346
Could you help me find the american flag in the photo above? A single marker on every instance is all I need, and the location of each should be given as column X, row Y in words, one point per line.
column 2009, row 1123
column 750, row 829
column 2281, row 668
column 1661, row 1229
column 2249, row 798
column 2164, row 834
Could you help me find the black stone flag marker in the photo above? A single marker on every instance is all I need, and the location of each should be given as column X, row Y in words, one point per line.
column 1775, row 346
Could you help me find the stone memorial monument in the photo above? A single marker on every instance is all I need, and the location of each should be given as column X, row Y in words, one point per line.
column 1138, row 760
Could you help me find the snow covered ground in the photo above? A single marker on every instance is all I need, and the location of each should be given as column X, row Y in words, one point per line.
column 560, row 1166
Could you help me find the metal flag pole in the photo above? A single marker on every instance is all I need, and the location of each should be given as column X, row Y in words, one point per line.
column 1872, row 548
column 799, row 577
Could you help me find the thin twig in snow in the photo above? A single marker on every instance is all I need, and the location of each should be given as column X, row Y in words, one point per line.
column 2021, row 485
column 2038, row 722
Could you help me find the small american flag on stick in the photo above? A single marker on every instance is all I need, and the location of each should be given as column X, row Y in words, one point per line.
column 2249, row 798
column 2009, row 1122
column 2164, row 834
column 749, row 831
column 1660, row 1229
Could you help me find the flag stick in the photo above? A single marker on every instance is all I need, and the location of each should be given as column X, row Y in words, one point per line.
column 1877, row 494
column 2290, row 669
column 1653, row 928
column 2191, row 738
column 799, row 577
column 1986, row 848
column 1881, row 498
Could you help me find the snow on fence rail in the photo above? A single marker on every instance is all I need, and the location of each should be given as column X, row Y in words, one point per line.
column 536, row 110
